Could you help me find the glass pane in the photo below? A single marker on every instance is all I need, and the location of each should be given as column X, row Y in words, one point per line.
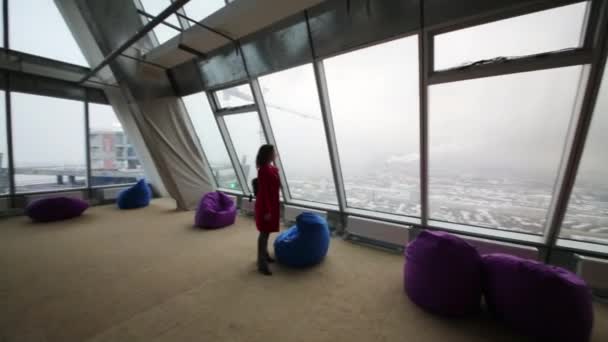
column 211, row 140
column 235, row 96
column 38, row 28
column 4, row 176
column 48, row 142
column 550, row 30
column 495, row 146
column 199, row 10
column 587, row 215
column 247, row 136
column 113, row 158
column 374, row 101
column 163, row 32
column 293, row 108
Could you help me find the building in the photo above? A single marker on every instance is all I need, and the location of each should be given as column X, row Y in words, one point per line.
column 110, row 150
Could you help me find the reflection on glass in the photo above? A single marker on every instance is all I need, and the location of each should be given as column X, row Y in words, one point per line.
column 199, row 10
column 48, row 143
column 587, row 215
column 163, row 32
column 374, row 100
column 293, row 108
column 113, row 158
column 495, row 146
column 235, row 96
column 38, row 28
column 4, row 176
column 545, row 31
column 211, row 140
column 247, row 136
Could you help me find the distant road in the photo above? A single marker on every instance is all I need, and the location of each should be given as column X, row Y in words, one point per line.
column 76, row 172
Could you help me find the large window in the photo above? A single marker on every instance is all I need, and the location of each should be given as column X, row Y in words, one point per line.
column 211, row 140
column 37, row 27
column 235, row 96
column 587, row 215
column 4, row 174
column 550, row 30
column 199, row 10
column 293, row 108
column 49, row 143
column 374, row 100
column 113, row 158
column 163, row 32
column 247, row 136
column 495, row 146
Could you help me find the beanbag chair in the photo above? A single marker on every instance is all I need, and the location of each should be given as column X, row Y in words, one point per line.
column 304, row 244
column 442, row 274
column 547, row 302
column 55, row 209
column 137, row 196
column 215, row 210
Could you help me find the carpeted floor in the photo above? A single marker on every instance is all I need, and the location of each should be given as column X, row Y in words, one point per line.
column 147, row 275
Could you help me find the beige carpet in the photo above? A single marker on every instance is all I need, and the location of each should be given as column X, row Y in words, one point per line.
column 147, row 275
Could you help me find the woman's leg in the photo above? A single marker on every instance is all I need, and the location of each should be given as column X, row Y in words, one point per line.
column 263, row 253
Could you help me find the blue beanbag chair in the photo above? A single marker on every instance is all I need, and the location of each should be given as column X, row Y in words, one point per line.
column 137, row 196
column 305, row 244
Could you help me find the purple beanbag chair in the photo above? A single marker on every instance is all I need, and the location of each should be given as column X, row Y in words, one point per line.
column 55, row 209
column 215, row 210
column 547, row 302
column 443, row 274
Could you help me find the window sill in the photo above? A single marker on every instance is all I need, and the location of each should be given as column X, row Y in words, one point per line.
column 44, row 192
column 583, row 247
column 384, row 216
column 494, row 234
column 111, row 186
column 313, row 205
column 232, row 192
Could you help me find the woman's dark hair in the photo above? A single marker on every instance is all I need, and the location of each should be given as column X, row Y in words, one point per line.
column 264, row 155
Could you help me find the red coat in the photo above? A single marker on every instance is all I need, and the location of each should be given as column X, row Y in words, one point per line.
column 267, row 199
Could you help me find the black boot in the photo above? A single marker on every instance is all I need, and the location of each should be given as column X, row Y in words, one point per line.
column 263, row 254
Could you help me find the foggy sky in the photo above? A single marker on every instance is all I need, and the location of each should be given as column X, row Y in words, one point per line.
column 37, row 27
column 195, row 9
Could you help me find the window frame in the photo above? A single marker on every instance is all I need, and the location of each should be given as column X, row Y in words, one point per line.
column 512, row 13
column 89, row 157
column 591, row 55
column 12, row 168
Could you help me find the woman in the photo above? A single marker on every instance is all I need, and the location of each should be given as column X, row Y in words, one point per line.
column 266, row 204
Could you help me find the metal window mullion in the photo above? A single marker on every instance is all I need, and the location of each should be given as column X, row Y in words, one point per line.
column 576, row 149
column 5, row 24
column 182, row 22
column 234, row 159
column 425, row 62
column 265, row 121
column 330, row 134
column 589, row 36
column 87, row 144
column 9, row 140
